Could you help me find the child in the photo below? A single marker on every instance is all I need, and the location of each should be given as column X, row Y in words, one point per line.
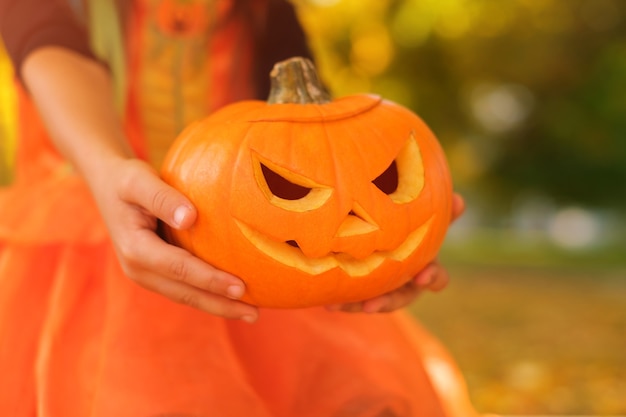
column 105, row 87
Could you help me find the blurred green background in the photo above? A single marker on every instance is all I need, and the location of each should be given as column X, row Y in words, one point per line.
column 528, row 98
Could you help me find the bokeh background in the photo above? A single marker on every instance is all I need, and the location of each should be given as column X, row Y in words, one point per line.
column 528, row 98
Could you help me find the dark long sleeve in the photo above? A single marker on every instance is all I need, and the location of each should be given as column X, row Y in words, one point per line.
column 283, row 38
column 26, row 25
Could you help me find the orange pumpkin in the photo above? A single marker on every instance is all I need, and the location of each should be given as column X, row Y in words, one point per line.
column 312, row 201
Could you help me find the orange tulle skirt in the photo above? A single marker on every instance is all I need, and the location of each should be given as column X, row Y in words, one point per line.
column 79, row 339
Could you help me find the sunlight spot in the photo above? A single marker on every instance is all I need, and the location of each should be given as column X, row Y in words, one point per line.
column 527, row 375
column 372, row 49
column 501, row 108
column 574, row 228
column 324, row 3
column 443, row 376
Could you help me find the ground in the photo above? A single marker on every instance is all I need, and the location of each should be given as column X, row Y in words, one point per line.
column 536, row 339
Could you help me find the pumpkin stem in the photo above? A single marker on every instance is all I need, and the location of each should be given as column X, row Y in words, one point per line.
column 295, row 80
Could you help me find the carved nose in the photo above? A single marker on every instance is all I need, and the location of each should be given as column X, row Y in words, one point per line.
column 357, row 222
column 356, row 234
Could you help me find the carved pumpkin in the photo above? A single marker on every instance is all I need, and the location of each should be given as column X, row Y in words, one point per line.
column 312, row 201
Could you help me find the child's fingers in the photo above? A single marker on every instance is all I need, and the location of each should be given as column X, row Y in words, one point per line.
column 433, row 277
column 458, row 206
column 384, row 303
column 210, row 303
column 183, row 278
column 145, row 189
column 147, row 253
column 394, row 300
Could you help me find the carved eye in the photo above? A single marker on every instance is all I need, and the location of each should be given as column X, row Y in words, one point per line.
column 282, row 187
column 286, row 189
column 387, row 182
column 403, row 180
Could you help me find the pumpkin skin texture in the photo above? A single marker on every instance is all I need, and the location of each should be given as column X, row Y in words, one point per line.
column 313, row 204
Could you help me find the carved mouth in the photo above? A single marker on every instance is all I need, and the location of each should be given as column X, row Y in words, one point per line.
column 288, row 253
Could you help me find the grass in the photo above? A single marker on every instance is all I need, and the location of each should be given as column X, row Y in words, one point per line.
column 505, row 248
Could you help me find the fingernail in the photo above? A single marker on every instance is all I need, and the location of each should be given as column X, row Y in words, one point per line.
column 249, row 319
column 235, row 291
column 179, row 215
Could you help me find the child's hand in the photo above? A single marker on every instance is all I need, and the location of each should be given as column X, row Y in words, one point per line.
column 433, row 277
column 74, row 95
column 135, row 198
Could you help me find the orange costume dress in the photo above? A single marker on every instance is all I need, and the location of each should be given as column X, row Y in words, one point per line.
column 79, row 339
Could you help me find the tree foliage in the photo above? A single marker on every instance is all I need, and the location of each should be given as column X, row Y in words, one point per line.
column 524, row 94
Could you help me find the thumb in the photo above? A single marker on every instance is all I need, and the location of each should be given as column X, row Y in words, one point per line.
column 184, row 216
column 147, row 190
